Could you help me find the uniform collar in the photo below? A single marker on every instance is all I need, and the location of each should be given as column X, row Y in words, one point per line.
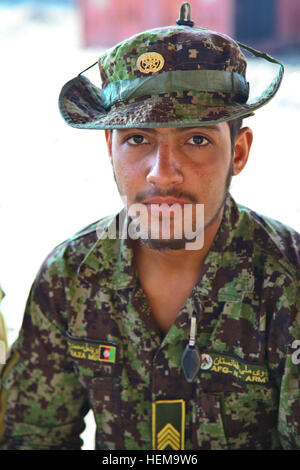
column 110, row 264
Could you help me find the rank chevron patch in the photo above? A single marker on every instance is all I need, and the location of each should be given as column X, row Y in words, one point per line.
column 168, row 422
column 168, row 436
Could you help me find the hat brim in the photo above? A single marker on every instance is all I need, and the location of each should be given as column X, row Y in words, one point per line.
column 81, row 106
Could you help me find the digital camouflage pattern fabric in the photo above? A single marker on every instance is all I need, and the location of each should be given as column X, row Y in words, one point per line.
column 88, row 340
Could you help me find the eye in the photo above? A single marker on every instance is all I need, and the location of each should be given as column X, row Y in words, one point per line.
column 137, row 139
column 198, row 140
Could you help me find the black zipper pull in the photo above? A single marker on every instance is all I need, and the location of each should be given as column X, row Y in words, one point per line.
column 191, row 360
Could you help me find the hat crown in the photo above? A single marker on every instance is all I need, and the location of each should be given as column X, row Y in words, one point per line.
column 180, row 47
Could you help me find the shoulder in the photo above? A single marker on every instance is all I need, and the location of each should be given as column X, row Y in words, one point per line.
column 273, row 240
column 276, row 266
column 66, row 257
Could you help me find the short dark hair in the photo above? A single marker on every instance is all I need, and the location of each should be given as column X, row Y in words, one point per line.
column 234, row 127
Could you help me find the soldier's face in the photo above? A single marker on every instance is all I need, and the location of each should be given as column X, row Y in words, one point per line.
column 177, row 165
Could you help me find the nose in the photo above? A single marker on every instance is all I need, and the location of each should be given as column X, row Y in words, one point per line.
column 164, row 168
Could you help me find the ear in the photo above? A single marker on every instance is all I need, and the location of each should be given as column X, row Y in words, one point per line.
column 242, row 145
column 108, row 143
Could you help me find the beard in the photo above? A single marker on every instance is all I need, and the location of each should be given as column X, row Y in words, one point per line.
column 158, row 243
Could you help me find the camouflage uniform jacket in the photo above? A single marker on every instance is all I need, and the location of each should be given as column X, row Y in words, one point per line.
column 88, row 340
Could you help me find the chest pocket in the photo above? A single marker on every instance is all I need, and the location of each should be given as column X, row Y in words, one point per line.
column 97, row 365
column 236, row 405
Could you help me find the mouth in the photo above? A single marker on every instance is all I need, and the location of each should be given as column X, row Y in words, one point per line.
column 165, row 207
column 169, row 201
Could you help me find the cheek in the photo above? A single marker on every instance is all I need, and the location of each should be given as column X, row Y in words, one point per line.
column 208, row 174
column 210, row 177
column 127, row 177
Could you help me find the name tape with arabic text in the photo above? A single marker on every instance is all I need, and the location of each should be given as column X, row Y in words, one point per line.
column 223, row 364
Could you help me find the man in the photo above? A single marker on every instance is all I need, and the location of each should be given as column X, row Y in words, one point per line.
column 175, row 342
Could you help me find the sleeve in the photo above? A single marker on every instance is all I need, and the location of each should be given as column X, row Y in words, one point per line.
column 42, row 403
column 289, row 397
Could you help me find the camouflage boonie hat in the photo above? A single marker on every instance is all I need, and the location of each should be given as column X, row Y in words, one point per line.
column 171, row 76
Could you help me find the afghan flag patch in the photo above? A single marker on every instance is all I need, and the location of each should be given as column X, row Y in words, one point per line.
column 108, row 353
column 92, row 349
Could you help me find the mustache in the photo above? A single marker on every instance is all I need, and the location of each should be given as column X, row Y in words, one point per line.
column 184, row 195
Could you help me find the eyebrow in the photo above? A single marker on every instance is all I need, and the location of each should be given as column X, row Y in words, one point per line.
column 174, row 129
column 212, row 127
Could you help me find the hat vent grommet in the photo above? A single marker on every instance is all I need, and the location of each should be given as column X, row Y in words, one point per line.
column 185, row 20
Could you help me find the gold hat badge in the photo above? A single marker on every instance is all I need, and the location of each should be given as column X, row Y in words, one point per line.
column 150, row 62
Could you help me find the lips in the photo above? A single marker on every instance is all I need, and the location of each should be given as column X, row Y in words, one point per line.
column 165, row 207
column 165, row 200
